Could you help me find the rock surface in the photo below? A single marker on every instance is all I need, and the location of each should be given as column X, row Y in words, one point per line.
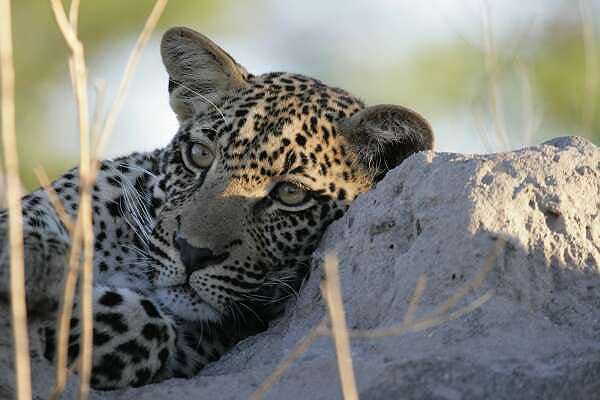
column 441, row 216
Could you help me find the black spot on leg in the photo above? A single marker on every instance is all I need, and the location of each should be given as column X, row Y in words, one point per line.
column 135, row 350
column 114, row 320
column 151, row 332
column 73, row 352
column 100, row 338
column 181, row 357
column 111, row 299
column 50, row 339
column 142, row 377
column 163, row 355
column 110, row 367
column 150, row 309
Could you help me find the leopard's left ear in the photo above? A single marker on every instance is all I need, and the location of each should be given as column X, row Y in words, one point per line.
column 382, row 136
column 201, row 74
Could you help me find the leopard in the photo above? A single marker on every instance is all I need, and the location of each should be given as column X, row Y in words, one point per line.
column 206, row 241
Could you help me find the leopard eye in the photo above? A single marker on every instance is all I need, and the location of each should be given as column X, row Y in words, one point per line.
column 201, row 155
column 290, row 194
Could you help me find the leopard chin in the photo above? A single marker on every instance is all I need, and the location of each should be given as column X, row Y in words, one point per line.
column 183, row 302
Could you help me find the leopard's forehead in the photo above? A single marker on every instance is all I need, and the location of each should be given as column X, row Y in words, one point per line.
column 282, row 124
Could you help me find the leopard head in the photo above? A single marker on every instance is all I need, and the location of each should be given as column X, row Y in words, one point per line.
column 258, row 169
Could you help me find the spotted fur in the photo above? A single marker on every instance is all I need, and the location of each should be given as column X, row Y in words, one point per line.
column 190, row 259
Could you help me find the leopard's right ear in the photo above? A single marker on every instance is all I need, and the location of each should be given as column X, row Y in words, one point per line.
column 201, row 74
column 382, row 136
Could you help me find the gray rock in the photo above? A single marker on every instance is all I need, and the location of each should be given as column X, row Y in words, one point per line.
column 441, row 216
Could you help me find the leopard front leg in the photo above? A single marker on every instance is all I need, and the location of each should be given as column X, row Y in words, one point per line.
column 46, row 248
column 133, row 339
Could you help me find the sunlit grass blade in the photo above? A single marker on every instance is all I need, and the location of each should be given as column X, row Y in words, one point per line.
column 13, row 200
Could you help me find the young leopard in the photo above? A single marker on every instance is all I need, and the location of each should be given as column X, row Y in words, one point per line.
column 199, row 244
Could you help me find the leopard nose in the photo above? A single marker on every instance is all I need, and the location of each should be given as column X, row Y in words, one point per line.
column 197, row 258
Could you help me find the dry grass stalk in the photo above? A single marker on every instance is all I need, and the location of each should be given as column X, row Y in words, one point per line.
column 441, row 313
column 438, row 317
column 474, row 283
column 530, row 123
column 70, row 283
column 134, row 57
column 74, row 14
column 422, row 323
column 300, row 348
column 492, row 67
column 414, row 301
column 87, row 170
column 69, row 287
column 13, row 199
column 44, row 180
column 592, row 69
column 478, row 120
column 322, row 330
column 64, row 319
column 100, row 95
column 84, row 218
column 73, row 262
column 333, row 297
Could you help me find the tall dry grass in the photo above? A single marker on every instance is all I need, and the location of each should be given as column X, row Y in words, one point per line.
column 83, row 227
column 498, row 139
column 80, row 228
column 13, row 200
column 335, row 304
column 592, row 67
column 492, row 68
column 88, row 169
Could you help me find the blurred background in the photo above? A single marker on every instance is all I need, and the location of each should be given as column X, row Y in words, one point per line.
column 489, row 75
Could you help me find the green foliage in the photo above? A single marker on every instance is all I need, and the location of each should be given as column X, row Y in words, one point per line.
column 558, row 72
column 41, row 57
column 440, row 77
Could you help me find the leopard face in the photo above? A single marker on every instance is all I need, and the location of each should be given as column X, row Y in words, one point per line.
column 260, row 166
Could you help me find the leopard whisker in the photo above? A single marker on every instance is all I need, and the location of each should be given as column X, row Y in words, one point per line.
column 138, row 168
column 258, row 318
column 204, row 99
